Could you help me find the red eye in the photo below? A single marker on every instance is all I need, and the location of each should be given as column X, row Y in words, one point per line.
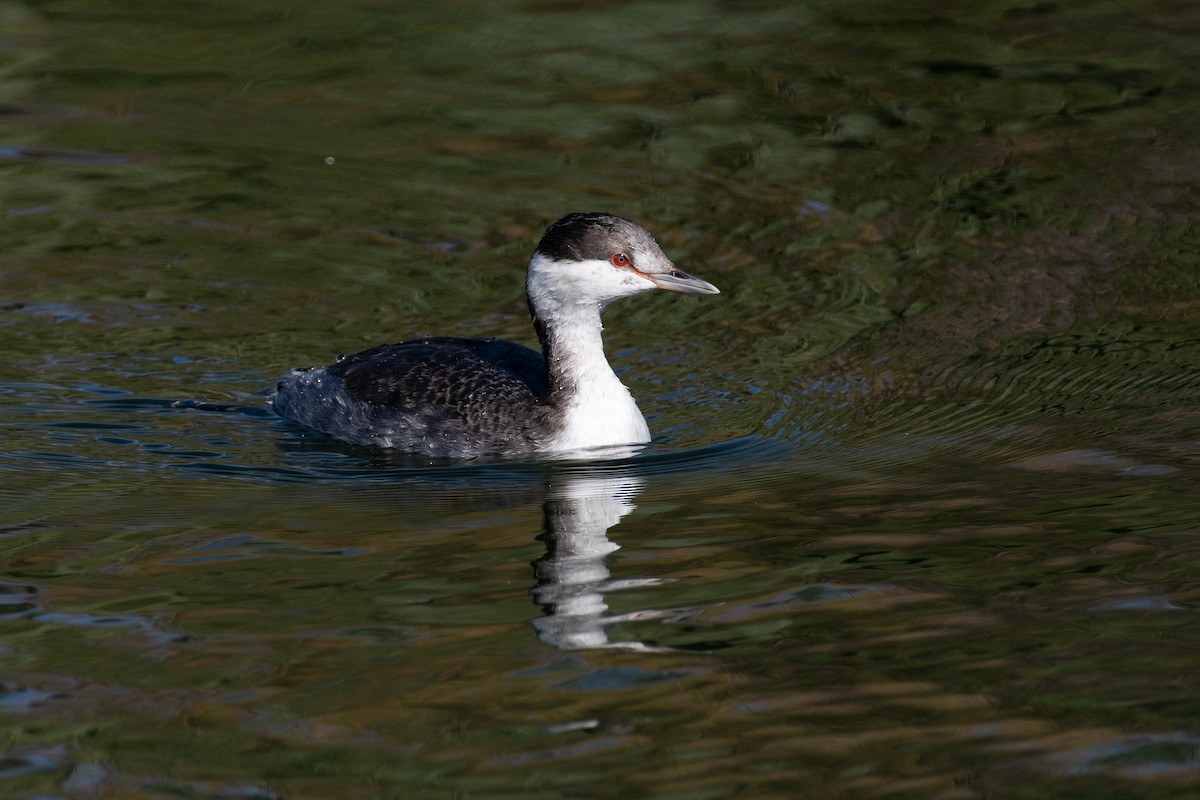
column 620, row 260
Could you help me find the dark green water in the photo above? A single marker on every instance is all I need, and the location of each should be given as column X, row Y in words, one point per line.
column 922, row 516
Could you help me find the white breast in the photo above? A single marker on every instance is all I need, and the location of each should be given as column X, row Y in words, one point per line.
column 602, row 414
column 598, row 410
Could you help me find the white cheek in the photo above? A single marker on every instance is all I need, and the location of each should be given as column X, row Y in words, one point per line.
column 584, row 283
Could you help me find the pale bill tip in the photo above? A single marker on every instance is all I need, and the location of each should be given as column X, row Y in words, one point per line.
column 679, row 281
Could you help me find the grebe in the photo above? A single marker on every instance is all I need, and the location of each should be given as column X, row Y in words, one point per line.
column 463, row 398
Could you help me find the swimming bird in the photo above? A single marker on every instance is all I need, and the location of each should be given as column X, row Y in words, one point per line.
column 465, row 398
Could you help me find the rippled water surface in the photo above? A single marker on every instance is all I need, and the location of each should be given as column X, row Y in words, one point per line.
column 921, row 515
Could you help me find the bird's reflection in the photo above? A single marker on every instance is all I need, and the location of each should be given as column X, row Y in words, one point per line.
column 573, row 577
column 580, row 503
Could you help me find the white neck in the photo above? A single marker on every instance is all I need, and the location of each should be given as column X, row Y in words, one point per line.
column 598, row 410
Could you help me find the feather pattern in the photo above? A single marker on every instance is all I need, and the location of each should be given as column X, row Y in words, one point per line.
column 466, row 398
